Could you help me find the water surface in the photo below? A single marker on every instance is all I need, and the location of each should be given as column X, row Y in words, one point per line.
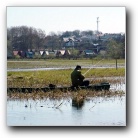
column 98, row 111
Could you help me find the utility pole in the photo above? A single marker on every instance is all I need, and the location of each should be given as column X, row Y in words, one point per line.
column 97, row 24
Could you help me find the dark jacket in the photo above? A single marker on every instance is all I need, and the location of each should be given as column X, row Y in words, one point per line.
column 77, row 78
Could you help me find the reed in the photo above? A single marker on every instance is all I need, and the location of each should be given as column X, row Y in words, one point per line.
column 58, row 95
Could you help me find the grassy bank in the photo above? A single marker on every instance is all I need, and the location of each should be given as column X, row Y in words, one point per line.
column 58, row 77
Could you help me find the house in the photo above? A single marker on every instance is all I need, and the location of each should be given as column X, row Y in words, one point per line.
column 89, row 52
column 41, row 52
column 23, row 54
column 45, row 53
column 71, row 41
column 9, row 54
column 60, row 52
column 15, row 53
column 20, row 54
column 30, row 54
column 63, row 53
column 67, row 52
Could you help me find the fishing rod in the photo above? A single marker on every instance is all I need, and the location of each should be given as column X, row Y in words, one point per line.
column 92, row 67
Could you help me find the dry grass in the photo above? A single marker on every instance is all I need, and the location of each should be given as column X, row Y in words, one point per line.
column 64, row 95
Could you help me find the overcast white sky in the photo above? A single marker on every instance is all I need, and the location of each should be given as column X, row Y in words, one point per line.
column 58, row 19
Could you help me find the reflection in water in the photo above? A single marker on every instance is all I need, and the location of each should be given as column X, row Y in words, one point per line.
column 78, row 102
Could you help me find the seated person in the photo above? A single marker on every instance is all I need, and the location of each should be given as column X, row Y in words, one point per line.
column 77, row 78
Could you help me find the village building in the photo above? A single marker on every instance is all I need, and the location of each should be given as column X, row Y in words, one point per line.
column 23, row 54
column 15, row 53
column 71, row 41
column 30, row 54
column 89, row 52
column 9, row 54
column 63, row 53
column 41, row 52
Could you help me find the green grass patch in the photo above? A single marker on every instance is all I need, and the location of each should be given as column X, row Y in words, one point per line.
column 57, row 77
column 105, row 72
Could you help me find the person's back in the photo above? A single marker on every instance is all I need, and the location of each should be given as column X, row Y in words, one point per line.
column 76, row 77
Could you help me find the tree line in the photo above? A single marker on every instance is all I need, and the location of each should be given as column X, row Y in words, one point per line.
column 24, row 38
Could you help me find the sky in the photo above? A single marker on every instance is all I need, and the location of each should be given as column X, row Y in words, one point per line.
column 60, row 19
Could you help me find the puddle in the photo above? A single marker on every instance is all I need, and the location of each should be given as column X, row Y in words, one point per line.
column 118, row 87
column 35, row 69
column 41, row 69
column 98, row 111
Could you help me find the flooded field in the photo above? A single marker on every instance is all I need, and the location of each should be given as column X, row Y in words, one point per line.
column 92, row 111
column 101, row 109
column 97, row 111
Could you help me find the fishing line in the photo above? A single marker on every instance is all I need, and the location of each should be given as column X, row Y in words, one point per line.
column 91, row 67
